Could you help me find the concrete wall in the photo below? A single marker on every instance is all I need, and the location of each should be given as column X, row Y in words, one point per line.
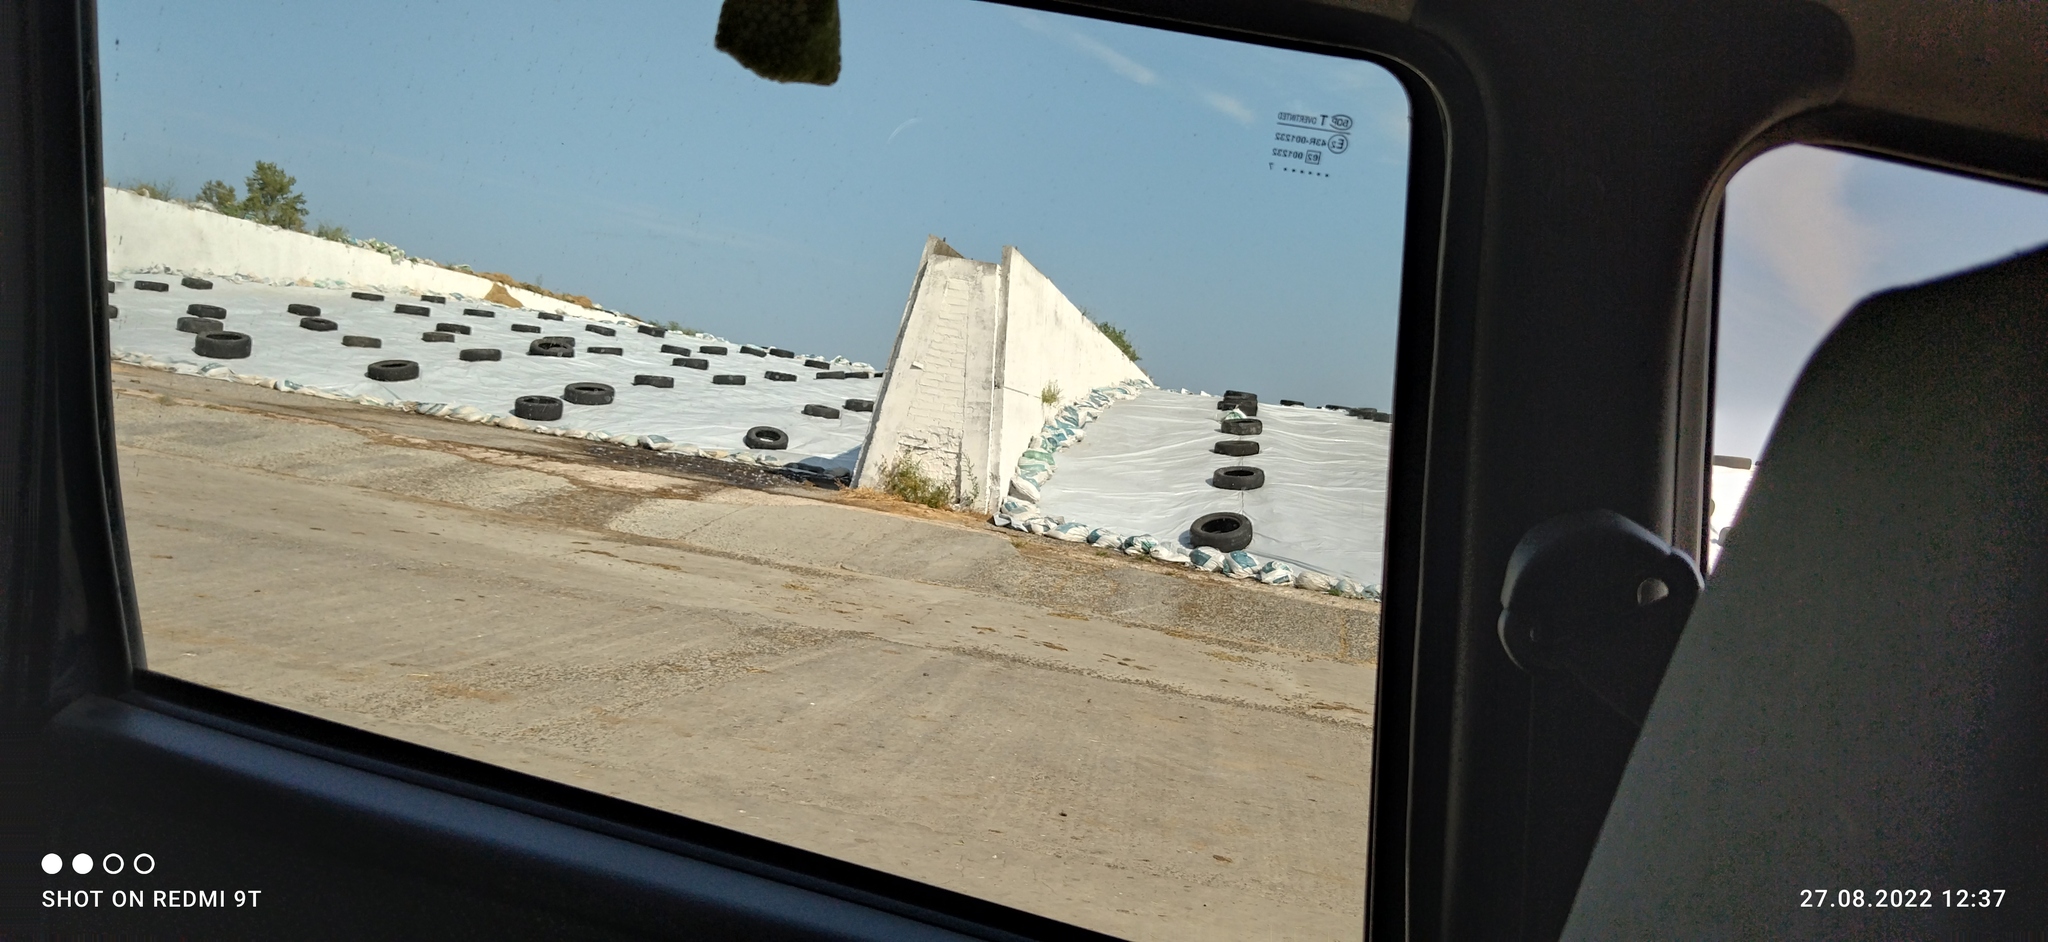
column 146, row 233
column 1045, row 339
column 927, row 410
column 978, row 344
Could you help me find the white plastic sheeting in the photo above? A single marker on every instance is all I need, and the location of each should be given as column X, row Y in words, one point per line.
column 1144, row 466
column 693, row 413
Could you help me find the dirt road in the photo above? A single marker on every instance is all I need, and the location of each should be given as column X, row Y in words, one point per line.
column 1113, row 742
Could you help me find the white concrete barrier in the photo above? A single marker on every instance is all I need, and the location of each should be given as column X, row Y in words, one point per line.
column 145, row 233
column 979, row 347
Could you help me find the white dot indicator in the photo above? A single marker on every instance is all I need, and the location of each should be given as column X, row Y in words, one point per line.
column 52, row 863
column 81, row 863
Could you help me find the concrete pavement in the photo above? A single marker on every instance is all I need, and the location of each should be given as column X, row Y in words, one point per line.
column 1142, row 750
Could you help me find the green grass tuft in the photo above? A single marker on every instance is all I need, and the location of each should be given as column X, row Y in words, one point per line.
column 906, row 480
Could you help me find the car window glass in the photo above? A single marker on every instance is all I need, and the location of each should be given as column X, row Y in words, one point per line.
column 1810, row 232
column 973, row 468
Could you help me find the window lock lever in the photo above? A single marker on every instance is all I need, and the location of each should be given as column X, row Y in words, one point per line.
column 1594, row 596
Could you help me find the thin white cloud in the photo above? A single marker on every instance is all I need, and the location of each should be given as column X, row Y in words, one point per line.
column 901, row 128
column 1788, row 208
column 1230, row 106
column 1117, row 61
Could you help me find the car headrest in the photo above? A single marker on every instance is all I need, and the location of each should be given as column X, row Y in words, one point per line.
column 1859, row 703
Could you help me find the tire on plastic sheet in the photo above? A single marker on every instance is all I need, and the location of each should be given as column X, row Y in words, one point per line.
column 658, row 382
column 537, row 408
column 766, row 438
column 221, row 345
column 1243, row 426
column 1236, row 448
column 200, row 325
column 1241, row 478
column 317, row 323
column 587, row 394
column 823, row 412
column 481, row 354
column 355, row 341
column 860, row 405
column 1228, row 532
column 393, row 371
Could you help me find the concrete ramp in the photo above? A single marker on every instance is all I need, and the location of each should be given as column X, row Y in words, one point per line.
column 981, row 348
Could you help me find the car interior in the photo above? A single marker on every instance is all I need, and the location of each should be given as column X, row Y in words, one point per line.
column 1578, row 730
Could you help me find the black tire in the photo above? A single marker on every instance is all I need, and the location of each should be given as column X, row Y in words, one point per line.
column 817, row 364
column 552, row 347
column 779, row 352
column 438, row 336
column 547, row 315
column 433, row 299
column 780, row 377
column 614, row 351
column 526, row 328
column 214, row 311
column 1290, row 402
column 1240, row 394
column 478, row 312
column 317, row 323
column 713, row 351
column 652, row 331
column 151, row 286
column 354, row 341
column 753, row 351
column 728, row 380
column 858, row 374
column 365, row 296
column 692, row 363
column 221, row 345
column 303, row 310
column 767, row 438
column 860, row 405
column 452, row 328
column 1383, row 417
column 587, row 394
column 393, row 371
column 658, row 382
column 198, row 284
column 113, row 312
column 675, row 350
column 481, row 354
column 1239, row 478
column 413, row 309
column 112, row 286
column 823, row 412
column 1243, row 427
column 1246, row 406
column 600, row 330
column 1226, row 531
column 1236, row 448
column 537, row 408
column 832, row 374
column 200, row 325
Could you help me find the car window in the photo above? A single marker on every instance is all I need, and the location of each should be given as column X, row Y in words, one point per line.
column 1811, row 231
column 973, row 467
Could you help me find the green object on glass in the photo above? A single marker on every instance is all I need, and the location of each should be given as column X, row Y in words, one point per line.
column 783, row 40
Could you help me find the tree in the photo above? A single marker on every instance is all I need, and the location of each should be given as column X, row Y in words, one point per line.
column 270, row 199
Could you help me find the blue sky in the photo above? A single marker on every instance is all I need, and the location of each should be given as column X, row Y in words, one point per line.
column 609, row 150
column 1810, row 232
